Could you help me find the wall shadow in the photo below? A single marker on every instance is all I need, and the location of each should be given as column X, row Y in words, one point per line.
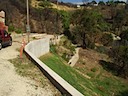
column 124, row 93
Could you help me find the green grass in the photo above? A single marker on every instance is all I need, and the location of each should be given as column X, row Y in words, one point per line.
column 68, row 73
column 100, row 86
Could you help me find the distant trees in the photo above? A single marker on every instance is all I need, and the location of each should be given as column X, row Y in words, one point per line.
column 124, row 38
column 119, row 55
column 106, row 39
column 86, row 23
column 101, row 3
column 65, row 16
column 120, row 20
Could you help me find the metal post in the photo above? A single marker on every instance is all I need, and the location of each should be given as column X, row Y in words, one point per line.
column 28, row 26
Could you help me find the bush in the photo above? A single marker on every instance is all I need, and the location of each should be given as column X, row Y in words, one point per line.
column 18, row 31
column 106, row 39
column 45, row 4
column 91, row 45
column 65, row 57
column 101, row 49
column 53, row 49
column 67, row 43
column 90, row 74
column 11, row 28
column 94, row 69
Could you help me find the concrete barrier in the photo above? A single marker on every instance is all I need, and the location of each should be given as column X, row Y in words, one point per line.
column 35, row 49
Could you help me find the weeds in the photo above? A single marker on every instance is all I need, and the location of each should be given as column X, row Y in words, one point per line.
column 26, row 68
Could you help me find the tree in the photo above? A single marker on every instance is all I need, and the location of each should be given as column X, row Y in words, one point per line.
column 101, row 3
column 65, row 19
column 119, row 55
column 86, row 23
column 110, row 2
column 120, row 19
column 124, row 38
column 93, row 2
column 106, row 39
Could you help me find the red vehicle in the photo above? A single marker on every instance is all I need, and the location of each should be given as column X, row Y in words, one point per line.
column 5, row 39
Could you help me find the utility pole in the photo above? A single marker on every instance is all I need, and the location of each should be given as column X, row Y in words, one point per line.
column 56, row 24
column 57, row 20
column 28, row 25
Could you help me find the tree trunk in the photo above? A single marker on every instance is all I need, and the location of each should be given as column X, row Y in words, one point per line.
column 84, row 41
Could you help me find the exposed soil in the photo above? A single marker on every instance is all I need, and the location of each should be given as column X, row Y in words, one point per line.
column 90, row 58
column 89, row 61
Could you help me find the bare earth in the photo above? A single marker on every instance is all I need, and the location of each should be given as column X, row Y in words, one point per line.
column 11, row 84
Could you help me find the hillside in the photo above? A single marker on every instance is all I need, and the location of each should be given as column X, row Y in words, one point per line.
column 41, row 20
column 35, row 4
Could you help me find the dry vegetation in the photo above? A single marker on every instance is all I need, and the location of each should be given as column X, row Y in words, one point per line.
column 62, row 7
column 35, row 4
column 26, row 68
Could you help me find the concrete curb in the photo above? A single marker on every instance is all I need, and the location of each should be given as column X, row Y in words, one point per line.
column 34, row 50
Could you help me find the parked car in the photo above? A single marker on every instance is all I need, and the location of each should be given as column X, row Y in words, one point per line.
column 5, row 39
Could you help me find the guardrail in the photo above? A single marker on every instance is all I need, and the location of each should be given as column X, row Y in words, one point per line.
column 36, row 48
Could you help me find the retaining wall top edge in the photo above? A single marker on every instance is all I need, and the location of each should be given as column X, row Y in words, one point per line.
column 54, row 75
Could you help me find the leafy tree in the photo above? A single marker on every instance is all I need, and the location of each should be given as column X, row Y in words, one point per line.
column 110, row 2
column 117, row 2
column 65, row 19
column 93, row 2
column 124, row 38
column 86, row 23
column 120, row 20
column 119, row 55
column 101, row 3
column 106, row 39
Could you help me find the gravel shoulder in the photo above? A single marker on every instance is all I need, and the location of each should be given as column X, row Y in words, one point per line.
column 11, row 84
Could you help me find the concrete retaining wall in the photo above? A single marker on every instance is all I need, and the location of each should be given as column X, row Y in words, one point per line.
column 40, row 47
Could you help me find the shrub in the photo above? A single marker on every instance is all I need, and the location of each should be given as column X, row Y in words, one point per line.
column 18, row 31
column 11, row 28
column 65, row 57
column 101, row 49
column 67, row 43
column 94, row 69
column 91, row 74
column 45, row 4
column 106, row 39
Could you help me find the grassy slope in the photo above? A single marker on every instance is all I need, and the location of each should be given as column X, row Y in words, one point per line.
column 100, row 86
column 69, row 74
